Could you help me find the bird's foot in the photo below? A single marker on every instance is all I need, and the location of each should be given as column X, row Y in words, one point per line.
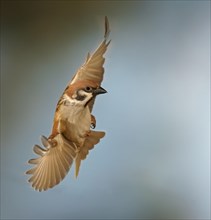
column 93, row 122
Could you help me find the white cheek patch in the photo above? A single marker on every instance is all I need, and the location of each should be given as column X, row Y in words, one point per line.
column 82, row 93
column 74, row 96
column 67, row 100
column 88, row 97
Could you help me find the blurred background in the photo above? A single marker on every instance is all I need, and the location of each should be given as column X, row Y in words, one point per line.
column 155, row 159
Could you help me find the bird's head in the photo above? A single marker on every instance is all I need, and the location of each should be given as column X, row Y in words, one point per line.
column 81, row 92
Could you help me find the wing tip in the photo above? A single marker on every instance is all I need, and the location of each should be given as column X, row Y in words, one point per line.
column 107, row 29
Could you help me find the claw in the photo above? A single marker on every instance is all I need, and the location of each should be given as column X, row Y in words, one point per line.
column 93, row 125
column 93, row 122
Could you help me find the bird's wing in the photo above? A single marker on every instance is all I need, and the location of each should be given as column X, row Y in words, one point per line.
column 93, row 138
column 93, row 69
column 53, row 164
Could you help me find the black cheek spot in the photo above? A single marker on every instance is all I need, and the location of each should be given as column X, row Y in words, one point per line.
column 80, row 97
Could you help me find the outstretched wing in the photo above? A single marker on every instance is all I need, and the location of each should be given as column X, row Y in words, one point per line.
column 93, row 69
column 53, row 164
column 55, row 161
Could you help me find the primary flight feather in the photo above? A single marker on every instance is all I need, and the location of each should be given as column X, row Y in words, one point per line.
column 71, row 137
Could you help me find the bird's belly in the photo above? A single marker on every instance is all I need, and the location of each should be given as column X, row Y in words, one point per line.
column 78, row 125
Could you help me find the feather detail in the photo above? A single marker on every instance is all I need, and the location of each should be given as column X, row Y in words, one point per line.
column 38, row 150
column 53, row 164
column 93, row 69
column 93, row 138
column 107, row 29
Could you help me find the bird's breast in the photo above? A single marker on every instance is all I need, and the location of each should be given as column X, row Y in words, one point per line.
column 78, row 121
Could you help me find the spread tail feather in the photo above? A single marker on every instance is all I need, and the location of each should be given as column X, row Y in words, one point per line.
column 93, row 138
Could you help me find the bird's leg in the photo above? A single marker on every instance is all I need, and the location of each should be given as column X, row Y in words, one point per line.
column 58, row 128
column 93, row 122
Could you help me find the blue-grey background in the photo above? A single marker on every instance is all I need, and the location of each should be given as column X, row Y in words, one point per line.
column 155, row 159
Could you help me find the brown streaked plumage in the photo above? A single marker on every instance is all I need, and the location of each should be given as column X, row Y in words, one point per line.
column 71, row 138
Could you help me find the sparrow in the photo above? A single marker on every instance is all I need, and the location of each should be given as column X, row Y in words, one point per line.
column 72, row 135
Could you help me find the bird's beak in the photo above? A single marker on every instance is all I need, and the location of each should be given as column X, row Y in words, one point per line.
column 99, row 90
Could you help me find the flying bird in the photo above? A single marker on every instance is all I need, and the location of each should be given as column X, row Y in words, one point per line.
column 72, row 135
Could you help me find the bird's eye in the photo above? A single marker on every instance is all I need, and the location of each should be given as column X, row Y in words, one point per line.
column 88, row 89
